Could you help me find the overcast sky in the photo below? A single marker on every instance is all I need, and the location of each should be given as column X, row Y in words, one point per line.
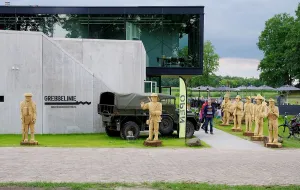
column 233, row 26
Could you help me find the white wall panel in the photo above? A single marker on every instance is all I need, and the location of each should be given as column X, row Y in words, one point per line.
column 60, row 68
column 73, row 47
column 143, row 64
column 99, row 87
column 84, row 93
column 64, row 76
column 116, row 62
column 121, row 64
column 23, row 51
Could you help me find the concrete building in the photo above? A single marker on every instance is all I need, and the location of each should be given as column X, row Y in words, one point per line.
column 61, row 75
column 172, row 35
column 67, row 56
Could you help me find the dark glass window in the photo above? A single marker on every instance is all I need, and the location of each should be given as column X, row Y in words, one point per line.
column 181, row 40
column 7, row 22
column 90, row 26
column 148, row 29
column 36, row 22
column 1, row 98
column 72, row 26
column 107, row 27
column 169, row 40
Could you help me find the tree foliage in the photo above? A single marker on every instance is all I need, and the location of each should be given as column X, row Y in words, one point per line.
column 216, row 81
column 29, row 22
column 210, row 65
column 280, row 43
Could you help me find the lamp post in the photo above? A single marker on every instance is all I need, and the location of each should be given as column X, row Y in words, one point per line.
column 207, row 92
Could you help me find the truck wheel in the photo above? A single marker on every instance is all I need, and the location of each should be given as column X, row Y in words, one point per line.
column 112, row 133
column 166, row 126
column 130, row 126
column 190, row 129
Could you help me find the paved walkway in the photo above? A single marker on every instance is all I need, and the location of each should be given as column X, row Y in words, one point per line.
column 223, row 140
column 147, row 165
column 231, row 160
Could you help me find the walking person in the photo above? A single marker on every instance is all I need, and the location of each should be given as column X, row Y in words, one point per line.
column 209, row 112
column 202, row 118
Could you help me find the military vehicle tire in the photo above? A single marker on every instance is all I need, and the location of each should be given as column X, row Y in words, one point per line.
column 166, row 126
column 130, row 126
column 190, row 129
column 112, row 133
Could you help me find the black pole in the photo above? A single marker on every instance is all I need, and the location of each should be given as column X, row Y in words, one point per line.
column 159, row 81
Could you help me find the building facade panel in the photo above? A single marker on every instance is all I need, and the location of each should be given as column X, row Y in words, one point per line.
column 20, row 72
column 173, row 36
column 65, row 90
column 61, row 79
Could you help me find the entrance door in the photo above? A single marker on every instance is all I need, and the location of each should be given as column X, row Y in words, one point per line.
column 150, row 86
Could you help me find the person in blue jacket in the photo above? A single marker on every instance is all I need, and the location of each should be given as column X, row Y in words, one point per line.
column 209, row 113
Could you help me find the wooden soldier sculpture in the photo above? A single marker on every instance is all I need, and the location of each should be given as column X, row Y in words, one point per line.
column 28, row 118
column 155, row 111
column 238, row 113
column 264, row 103
column 249, row 116
column 225, row 107
column 259, row 115
column 273, row 114
column 231, row 110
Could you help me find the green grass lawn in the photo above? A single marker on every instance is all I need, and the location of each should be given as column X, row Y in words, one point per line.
column 287, row 143
column 90, row 140
column 155, row 185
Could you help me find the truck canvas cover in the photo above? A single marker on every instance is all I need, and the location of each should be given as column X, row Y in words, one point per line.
column 133, row 100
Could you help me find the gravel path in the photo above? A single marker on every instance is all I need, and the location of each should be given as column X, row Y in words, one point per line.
column 212, row 165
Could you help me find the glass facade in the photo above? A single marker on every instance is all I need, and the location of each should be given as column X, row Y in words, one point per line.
column 170, row 40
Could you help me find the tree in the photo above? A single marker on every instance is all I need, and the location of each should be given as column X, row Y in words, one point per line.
column 210, row 66
column 292, row 53
column 29, row 22
column 275, row 67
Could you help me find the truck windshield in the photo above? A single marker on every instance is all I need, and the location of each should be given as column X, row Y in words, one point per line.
column 168, row 101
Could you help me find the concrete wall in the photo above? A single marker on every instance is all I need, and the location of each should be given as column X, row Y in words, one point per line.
column 22, row 51
column 121, row 63
column 46, row 69
column 64, row 76
column 99, row 87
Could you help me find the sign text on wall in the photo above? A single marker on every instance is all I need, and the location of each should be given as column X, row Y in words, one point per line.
column 63, row 101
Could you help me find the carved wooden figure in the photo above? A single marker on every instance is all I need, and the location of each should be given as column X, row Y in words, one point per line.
column 225, row 106
column 249, row 114
column 259, row 115
column 273, row 114
column 155, row 111
column 238, row 112
column 28, row 118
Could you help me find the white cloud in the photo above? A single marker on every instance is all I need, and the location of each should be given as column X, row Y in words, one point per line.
column 238, row 67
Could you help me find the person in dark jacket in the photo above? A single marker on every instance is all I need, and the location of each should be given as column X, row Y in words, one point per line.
column 209, row 113
column 201, row 114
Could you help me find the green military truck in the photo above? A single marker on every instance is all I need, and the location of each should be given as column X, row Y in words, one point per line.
column 122, row 115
